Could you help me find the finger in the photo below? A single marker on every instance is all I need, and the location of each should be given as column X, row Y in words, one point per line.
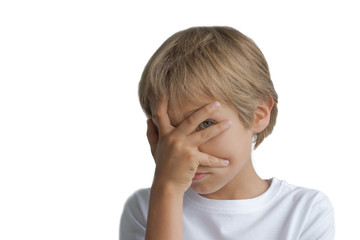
column 162, row 118
column 205, row 135
column 152, row 135
column 211, row 161
column 190, row 123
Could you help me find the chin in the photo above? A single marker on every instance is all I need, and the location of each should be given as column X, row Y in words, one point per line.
column 204, row 189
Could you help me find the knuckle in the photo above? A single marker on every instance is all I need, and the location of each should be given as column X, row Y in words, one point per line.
column 204, row 134
column 190, row 120
column 218, row 128
column 172, row 141
column 209, row 109
column 177, row 146
column 211, row 161
column 190, row 156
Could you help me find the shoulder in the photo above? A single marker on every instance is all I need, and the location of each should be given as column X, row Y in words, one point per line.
column 141, row 196
column 313, row 207
column 299, row 194
column 138, row 202
column 134, row 215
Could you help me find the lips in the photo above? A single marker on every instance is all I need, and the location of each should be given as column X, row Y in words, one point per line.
column 199, row 176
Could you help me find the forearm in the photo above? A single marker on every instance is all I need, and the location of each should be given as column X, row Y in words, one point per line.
column 165, row 216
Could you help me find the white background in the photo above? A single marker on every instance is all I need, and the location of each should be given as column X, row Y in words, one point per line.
column 72, row 133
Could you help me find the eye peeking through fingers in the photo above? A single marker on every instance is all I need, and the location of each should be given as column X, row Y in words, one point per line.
column 205, row 124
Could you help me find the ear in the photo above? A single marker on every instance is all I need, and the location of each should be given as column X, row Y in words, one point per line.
column 262, row 115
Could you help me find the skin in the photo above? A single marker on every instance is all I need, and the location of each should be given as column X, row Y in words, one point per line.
column 183, row 144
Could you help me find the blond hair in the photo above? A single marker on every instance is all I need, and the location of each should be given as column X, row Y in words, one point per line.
column 210, row 62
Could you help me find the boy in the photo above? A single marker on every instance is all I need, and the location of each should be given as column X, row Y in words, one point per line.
column 208, row 95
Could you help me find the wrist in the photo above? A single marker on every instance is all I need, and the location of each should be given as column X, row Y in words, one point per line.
column 163, row 188
column 164, row 219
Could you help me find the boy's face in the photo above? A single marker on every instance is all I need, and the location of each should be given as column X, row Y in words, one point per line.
column 233, row 144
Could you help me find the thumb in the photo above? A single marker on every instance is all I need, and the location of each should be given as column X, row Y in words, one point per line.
column 152, row 135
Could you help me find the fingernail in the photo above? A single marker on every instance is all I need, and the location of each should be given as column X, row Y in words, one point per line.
column 215, row 104
column 226, row 162
column 227, row 123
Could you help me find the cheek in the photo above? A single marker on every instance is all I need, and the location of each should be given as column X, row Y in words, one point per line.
column 230, row 144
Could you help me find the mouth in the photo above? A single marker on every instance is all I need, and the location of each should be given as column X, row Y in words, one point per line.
column 199, row 176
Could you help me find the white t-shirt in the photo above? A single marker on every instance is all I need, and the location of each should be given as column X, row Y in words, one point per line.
column 283, row 212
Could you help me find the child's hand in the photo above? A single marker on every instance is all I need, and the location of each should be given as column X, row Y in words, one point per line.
column 175, row 150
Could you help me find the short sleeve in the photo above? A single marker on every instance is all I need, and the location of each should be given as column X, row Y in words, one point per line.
column 319, row 224
column 133, row 219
